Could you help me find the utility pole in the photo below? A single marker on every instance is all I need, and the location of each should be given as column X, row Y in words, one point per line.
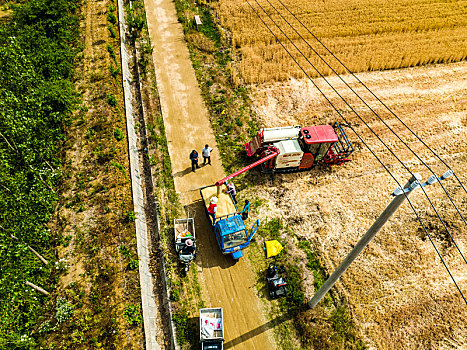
column 400, row 195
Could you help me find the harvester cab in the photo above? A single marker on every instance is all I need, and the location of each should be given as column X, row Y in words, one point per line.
column 295, row 148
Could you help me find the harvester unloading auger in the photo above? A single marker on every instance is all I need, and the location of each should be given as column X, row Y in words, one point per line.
column 293, row 148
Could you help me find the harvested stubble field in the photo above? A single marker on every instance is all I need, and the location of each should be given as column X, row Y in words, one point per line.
column 399, row 293
column 368, row 35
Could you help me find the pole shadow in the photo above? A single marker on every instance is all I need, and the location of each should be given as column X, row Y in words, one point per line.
column 258, row 330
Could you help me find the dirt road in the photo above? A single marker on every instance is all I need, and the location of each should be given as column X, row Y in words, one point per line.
column 187, row 127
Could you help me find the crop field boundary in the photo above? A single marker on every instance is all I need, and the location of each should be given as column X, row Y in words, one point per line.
column 366, row 35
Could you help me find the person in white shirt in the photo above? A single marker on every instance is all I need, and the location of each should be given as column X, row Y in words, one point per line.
column 206, row 154
column 231, row 190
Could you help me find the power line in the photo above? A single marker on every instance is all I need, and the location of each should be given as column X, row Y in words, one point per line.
column 378, row 116
column 375, row 96
column 371, row 151
column 327, row 99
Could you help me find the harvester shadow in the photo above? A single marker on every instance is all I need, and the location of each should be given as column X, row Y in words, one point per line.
column 208, row 251
column 278, row 179
column 257, row 331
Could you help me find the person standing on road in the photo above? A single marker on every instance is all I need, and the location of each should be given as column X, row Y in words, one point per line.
column 194, row 160
column 206, row 154
column 232, row 192
column 212, row 209
column 245, row 210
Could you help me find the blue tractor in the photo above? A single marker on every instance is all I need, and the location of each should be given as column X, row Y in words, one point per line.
column 229, row 228
column 232, row 235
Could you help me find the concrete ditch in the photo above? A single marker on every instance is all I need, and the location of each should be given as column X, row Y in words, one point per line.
column 141, row 202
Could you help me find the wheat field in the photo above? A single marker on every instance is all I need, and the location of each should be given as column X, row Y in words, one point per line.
column 365, row 35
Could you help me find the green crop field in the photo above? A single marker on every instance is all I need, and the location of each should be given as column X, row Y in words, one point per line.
column 366, row 35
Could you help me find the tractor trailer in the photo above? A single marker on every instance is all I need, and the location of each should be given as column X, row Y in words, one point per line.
column 231, row 233
column 281, row 150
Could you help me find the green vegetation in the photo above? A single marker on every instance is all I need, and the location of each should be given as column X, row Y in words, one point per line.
column 37, row 49
column 327, row 326
column 111, row 17
column 112, row 32
column 136, row 18
column 133, row 314
column 118, row 134
column 64, row 310
column 341, row 329
column 130, row 216
column 49, row 199
column 272, row 229
column 145, row 56
column 125, row 251
column 111, row 100
column 314, row 265
column 186, row 328
column 114, row 70
column 229, row 106
column 111, row 52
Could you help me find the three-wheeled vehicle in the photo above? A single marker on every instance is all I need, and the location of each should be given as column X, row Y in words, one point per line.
column 229, row 228
column 277, row 285
column 211, row 329
column 185, row 241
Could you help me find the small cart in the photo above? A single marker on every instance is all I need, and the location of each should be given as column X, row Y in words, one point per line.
column 211, row 329
column 185, row 241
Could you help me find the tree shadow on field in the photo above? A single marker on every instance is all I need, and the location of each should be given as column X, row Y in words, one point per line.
column 208, row 252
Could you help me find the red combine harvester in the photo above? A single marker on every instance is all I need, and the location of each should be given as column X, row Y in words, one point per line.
column 293, row 148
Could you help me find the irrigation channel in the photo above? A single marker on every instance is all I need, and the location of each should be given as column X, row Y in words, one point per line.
column 158, row 330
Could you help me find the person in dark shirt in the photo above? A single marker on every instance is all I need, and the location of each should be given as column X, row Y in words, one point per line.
column 189, row 247
column 245, row 210
column 194, row 160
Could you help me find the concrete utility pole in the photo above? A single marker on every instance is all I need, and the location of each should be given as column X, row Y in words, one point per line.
column 373, row 230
